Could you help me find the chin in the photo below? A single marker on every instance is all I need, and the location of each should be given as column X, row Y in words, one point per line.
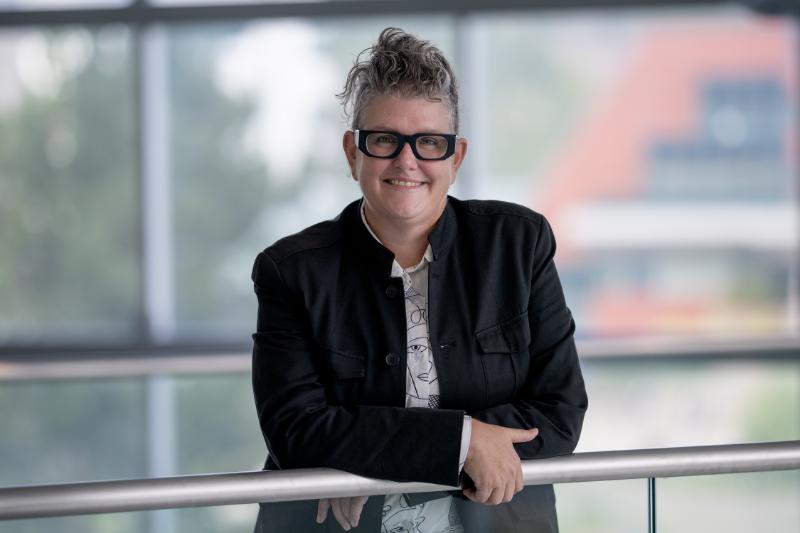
column 408, row 212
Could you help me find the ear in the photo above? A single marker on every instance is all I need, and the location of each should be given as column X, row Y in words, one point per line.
column 349, row 146
column 458, row 156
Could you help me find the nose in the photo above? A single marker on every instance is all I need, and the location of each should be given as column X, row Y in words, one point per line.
column 406, row 158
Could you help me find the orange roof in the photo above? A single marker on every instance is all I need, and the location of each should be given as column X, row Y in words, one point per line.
column 657, row 97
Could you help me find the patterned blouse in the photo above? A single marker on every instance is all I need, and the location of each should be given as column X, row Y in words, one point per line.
column 422, row 390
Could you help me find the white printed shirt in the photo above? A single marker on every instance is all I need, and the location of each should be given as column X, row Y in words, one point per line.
column 422, row 390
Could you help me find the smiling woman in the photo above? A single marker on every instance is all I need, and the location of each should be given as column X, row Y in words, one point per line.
column 473, row 369
column 404, row 192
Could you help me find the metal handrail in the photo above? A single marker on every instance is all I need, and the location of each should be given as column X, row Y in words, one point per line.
column 113, row 362
column 306, row 484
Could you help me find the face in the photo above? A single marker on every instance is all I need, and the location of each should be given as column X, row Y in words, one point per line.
column 404, row 191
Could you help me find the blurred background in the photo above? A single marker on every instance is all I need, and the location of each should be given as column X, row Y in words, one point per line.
column 149, row 151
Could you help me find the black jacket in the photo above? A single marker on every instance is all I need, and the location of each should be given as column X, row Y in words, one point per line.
column 329, row 357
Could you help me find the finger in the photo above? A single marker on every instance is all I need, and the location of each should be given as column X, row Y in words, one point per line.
column 322, row 510
column 523, row 435
column 470, row 495
column 519, row 483
column 509, row 492
column 482, row 494
column 496, row 496
column 339, row 514
column 356, row 505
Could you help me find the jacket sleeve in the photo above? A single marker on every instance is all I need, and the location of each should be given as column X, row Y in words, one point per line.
column 553, row 396
column 303, row 430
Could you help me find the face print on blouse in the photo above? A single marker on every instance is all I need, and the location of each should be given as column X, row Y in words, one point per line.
column 436, row 516
column 422, row 387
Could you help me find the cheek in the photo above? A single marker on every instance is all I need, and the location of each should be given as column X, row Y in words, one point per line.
column 369, row 169
column 447, row 177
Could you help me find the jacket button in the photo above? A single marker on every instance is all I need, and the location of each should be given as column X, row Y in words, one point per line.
column 392, row 359
column 391, row 291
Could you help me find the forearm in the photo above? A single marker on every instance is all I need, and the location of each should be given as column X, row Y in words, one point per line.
column 383, row 442
column 552, row 399
column 559, row 426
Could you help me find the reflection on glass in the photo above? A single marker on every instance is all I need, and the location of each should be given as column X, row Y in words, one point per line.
column 660, row 146
column 68, row 267
column 734, row 503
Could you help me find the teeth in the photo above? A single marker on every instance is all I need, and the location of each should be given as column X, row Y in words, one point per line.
column 404, row 183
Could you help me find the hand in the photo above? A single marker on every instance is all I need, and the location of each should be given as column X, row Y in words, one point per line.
column 347, row 511
column 492, row 462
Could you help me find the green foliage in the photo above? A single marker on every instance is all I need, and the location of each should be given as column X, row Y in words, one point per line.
column 219, row 187
column 68, row 203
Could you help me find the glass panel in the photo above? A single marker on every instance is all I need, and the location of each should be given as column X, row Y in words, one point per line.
column 68, row 431
column 602, row 506
column 683, row 403
column 217, row 425
column 103, row 523
column 263, row 159
column 736, row 503
column 659, row 144
column 68, row 191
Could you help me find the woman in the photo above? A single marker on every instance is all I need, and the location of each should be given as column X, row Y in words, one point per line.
column 416, row 337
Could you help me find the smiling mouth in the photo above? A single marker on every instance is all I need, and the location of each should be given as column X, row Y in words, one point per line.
column 404, row 183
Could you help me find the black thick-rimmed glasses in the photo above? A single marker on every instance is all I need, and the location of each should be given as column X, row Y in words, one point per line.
column 389, row 144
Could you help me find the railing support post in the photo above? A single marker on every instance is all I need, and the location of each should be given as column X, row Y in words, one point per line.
column 651, row 505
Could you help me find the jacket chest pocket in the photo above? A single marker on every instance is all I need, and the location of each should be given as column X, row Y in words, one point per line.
column 343, row 376
column 505, row 359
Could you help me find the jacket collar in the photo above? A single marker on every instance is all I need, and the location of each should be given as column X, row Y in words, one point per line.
column 441, row 237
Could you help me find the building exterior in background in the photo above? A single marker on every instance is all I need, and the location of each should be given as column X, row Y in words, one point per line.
column 674, row 202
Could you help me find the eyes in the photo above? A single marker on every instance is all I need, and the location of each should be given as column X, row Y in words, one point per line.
column 432, row 142
column 388, row 144
column 385, row 140
column 429, row 141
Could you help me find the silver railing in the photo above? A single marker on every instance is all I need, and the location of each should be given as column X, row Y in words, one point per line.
column 251, row 487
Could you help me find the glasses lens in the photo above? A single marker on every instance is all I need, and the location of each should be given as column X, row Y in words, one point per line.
column 382, row 144
column 432, row 146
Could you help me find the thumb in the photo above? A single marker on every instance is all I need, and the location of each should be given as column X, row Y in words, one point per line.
column 523, row 435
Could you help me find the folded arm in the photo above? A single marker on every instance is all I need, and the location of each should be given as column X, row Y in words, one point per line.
column 553, row 396
column 303, row 430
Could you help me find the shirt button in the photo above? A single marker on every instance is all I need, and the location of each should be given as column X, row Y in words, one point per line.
column 392, row 359
column 391, row 291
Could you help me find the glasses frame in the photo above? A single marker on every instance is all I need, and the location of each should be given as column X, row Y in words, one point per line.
column 361, row 142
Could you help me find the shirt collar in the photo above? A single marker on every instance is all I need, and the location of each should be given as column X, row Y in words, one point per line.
column 397, row 270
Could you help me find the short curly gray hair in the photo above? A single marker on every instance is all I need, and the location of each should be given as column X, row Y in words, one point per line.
column 399, row 64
